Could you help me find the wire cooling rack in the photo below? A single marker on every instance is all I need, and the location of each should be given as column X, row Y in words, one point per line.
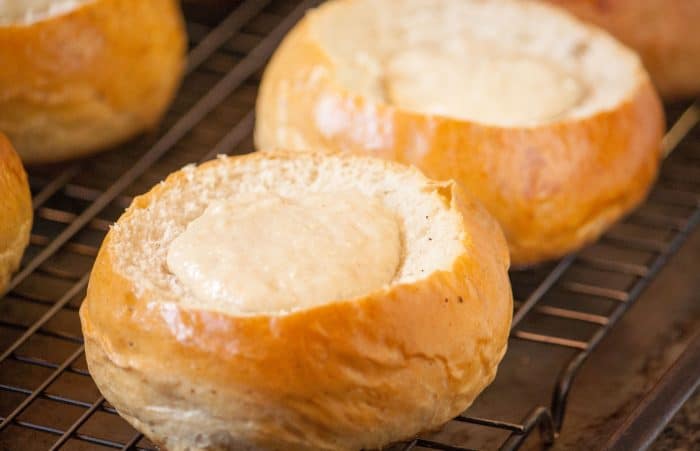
column 563, row 310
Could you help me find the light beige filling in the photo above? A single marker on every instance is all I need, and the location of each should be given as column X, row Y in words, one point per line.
column 271, row 253
column 28, row 11
column 479, row 85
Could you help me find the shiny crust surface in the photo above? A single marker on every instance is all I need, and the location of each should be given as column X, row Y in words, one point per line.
column 664, row 33
column 15, row 211
column 89, row 78
column 346, row 375
column 552, row 187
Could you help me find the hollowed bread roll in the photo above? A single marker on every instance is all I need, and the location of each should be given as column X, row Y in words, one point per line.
column 297, row 301
column 665, row 34
column 551, row 123
column 15, row 211
column 82, row 75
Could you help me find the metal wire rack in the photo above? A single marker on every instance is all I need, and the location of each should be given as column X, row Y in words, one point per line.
column 47, row 399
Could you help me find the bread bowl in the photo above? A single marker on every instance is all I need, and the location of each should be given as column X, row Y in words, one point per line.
column 291, row 366
column 83, row 75
column 664, row 33
column 556, row 153
column 16, row 216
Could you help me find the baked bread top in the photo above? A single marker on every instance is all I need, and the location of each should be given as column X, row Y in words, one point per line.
column 267, row 200
column 86, row 74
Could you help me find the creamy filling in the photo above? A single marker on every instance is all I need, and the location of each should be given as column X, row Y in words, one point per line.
column 268, row 253
column 29, row 11
column 479, row 84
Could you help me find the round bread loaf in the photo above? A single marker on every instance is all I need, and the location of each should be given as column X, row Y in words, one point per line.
column 82, row 75
column 664, row 33
column 297, row 301
column 551, row 123
column 16, row 215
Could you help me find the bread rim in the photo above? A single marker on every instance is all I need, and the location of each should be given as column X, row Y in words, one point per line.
column 16, row 217
column 180, row 375
column 553, row 187
column 665, row 34
column 88, row 78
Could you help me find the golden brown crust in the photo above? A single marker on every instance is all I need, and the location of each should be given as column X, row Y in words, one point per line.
column 90, row 78
column 345, row 375
column 16, row 215
column 664, row 33
column 553, row 187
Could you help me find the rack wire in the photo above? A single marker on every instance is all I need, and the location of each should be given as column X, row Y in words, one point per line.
column 47, row 399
